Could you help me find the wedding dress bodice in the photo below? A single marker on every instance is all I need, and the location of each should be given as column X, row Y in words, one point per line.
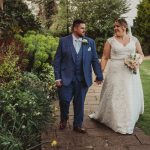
column 120, row 51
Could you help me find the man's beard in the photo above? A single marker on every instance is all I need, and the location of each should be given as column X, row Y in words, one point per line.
column 81, row 35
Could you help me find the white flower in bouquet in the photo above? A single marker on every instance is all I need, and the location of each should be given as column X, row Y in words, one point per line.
column 133, row 62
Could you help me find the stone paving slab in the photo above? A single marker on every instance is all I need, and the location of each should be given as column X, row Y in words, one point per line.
column 99, row 137
column 140, row 147
column 144, row 139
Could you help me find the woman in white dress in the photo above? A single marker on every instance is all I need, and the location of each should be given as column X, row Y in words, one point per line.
column 121, row 100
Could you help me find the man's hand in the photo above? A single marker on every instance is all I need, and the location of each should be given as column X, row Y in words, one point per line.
column 58, row 83
column 98, row 81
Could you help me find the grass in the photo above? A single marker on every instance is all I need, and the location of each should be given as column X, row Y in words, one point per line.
column 144, row 121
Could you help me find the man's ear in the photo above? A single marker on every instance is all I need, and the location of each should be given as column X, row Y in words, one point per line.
column 75, row 28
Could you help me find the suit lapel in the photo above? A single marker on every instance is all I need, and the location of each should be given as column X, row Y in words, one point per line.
column 84, row 49
column 72, row 47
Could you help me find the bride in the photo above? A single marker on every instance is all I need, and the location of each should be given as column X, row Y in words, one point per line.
column 121, row 100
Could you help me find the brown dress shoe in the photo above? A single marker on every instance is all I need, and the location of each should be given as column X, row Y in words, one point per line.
column 63, row 124
column 80, row 130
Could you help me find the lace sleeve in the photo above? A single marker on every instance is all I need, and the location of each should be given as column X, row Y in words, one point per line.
column 109, row 40
column 135, row 39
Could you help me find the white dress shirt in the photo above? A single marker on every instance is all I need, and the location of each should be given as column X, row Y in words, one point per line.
column 77, row 42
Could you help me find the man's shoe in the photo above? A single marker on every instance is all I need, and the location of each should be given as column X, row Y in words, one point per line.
column 80, row 130
column 63, row 125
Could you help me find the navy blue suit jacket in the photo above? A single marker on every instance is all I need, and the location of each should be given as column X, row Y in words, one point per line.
column 64, row 61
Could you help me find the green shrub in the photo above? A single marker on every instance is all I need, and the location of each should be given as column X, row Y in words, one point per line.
column 8, row 65
column 142, row 25
column 25, row 108
column 40, row 48
column 25, row 102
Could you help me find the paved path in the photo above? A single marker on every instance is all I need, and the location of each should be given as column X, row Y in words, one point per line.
column 99, row 137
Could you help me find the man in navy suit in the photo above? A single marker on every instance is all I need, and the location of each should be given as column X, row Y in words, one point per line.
column 74, row 59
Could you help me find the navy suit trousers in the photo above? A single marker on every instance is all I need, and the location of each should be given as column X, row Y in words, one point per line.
column 76, row 90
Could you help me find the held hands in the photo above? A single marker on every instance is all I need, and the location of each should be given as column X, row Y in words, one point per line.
column 58, row 83
column 98, row 81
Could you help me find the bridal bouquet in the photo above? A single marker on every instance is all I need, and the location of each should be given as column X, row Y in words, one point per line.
column 133, row 62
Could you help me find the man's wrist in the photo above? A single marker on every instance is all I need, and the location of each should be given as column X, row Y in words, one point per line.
column 58, row 80
column 99, row 78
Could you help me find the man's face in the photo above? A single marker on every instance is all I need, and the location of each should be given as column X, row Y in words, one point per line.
column 80, row 29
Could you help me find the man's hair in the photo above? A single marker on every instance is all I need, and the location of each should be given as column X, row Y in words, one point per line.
column 77, row 22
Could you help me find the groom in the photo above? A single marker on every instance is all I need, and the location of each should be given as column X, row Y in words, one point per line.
column 75, row 55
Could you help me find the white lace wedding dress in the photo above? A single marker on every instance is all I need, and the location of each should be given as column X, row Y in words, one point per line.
column 121, row 100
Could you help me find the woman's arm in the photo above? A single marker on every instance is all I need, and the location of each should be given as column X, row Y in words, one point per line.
column 139, row 51
column 106, row 55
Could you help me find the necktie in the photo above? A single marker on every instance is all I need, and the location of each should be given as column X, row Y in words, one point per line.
column 78, row 45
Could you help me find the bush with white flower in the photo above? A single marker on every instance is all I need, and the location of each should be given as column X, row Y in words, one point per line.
column 25, row 102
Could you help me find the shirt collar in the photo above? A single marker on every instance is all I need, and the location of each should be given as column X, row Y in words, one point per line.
column 76, row 39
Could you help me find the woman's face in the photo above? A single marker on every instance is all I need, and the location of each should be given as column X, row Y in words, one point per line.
column 119, row 29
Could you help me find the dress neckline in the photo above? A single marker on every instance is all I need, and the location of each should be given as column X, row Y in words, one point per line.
column 122, row 43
